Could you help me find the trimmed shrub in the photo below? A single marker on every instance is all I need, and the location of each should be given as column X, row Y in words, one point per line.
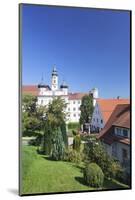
column 93, row 175
column 114, row 169
column 73, row 156
column 77, row 143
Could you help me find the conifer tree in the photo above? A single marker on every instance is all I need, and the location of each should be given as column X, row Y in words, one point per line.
column 58, row 147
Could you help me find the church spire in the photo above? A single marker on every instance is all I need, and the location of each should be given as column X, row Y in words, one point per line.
column 54, row 84
column 41, row 84
column 54, row 71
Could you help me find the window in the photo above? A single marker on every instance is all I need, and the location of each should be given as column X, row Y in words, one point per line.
column 73, row 102
column 94, row 119
column 118, row 131
column 54, row 81
column 101, row 121
column 68, row 109
column 79, row 102
column 97, row 120
column 78, row 115
column 74, row 115
column 69, row 115
column 125, row 133
column 74, row 109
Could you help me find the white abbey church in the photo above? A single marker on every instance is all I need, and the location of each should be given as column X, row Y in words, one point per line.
column 46, row 93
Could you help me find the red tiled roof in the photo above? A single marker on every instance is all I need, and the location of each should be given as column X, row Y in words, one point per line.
column 123, row 120
column 108, row 105
column 76, row 96
column 30, row 89
column 34, row 90
column 120, row 117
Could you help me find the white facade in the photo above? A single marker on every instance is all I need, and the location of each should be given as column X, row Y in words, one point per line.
column 97, row 122
column 73, row 110
column 73, row 104
column 46, row 96
column 95, row 95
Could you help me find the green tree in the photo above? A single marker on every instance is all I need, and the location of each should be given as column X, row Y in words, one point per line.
column 32, row 115
column 47, row 139
column 55, row 137
column 29, row 104
column 95, row 152
column 86, row 109
column 56, row 112
column 64, row 134
column 58, row 147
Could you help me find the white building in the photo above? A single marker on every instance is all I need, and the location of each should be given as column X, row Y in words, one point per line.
column 46, row 93
column 102, row 112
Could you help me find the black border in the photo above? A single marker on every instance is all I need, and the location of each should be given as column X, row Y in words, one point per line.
column 20, row 95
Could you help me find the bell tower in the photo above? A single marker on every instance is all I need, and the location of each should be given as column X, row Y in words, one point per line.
column 54, row 83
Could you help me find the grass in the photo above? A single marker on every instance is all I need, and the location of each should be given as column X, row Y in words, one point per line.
column 42, row 175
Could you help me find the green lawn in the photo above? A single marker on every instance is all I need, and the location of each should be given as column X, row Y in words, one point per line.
column 42, row 175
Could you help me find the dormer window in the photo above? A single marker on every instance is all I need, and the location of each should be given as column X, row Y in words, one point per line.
column 121, row 132
column 118, row 131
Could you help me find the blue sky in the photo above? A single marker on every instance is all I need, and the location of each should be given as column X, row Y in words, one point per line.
column 90, row 48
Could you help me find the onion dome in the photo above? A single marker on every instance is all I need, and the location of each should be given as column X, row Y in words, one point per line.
column 63, row 85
